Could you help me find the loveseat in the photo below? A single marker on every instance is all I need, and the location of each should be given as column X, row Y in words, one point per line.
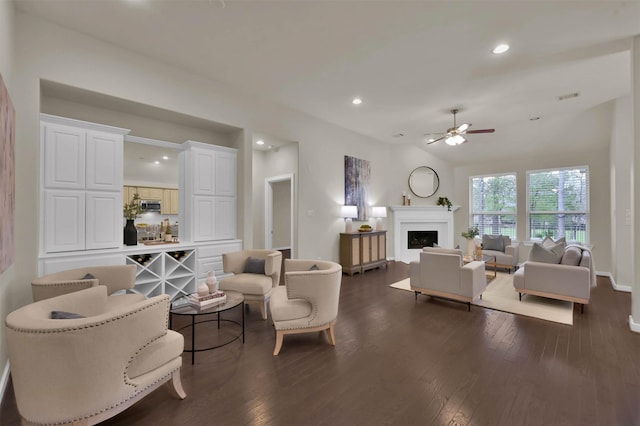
column 505, row 251
column 560, row 271
column 441, row 272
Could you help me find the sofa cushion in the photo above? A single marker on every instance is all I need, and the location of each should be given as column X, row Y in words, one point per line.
column 254, row 266
column 285, row 309
column 571, row 256
column 493, row 242
column 539, row 253
column 256, row 284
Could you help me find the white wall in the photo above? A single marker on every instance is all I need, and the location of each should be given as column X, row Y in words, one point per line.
column 621, row 158
column 11, row 294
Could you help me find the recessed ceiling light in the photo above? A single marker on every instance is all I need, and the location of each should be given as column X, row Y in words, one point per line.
column 156, row 162
column 164, row 157
column 501, row 48
column 260, row 142
column 356, row 101
column 270, row 146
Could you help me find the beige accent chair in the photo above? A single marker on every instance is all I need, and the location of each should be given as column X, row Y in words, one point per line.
column 441, row 273
column 114, row 277
column 256, row 287
column 507, row 258
column 308, row 301
column 83, row 371
column 570, row 280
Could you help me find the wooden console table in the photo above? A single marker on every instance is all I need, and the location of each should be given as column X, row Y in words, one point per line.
column 360, row 251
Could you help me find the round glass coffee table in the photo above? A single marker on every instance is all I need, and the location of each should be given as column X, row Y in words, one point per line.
column 182, row 307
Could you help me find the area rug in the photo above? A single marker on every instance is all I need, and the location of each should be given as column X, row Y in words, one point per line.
column 501, row 296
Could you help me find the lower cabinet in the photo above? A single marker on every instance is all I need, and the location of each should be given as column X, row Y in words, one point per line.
column 361, row 251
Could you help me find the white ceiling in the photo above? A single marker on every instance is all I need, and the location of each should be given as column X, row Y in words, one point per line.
column 411, row 62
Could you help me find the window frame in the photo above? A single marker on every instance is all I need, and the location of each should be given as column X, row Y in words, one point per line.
column 587, row 213
column 472, row 212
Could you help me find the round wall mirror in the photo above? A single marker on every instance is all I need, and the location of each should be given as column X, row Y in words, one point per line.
column 424, row 181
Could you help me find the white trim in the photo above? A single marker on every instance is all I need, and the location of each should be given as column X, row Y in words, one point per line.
column 4, row 380
column 634, row 326
column 616, row 286
column 54, row 119
column 268, row 209
column 154, row 142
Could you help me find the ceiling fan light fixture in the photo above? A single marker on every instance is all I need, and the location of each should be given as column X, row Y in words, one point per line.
column 454, row 140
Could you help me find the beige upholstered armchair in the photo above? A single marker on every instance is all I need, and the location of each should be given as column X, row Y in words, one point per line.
column 308, row 301
column 88, row 369
column 255, row 274
column 114, row 277
column 507, row 252
column 441, row 273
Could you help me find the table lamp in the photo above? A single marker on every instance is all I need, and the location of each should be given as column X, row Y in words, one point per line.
column 379, row 213
column 348, row 212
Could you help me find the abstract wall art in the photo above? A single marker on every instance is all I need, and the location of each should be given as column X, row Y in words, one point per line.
column 357, row 173
column 7, row 178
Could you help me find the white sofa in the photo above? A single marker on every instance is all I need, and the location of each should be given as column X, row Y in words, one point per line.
column 571, row 279
column 441, row 273
column 85, row 370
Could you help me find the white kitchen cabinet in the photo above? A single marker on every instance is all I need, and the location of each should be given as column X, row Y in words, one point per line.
column 225, row 218
column 104, row 161
column 225, row 173
column 81, row 185
column 64, row 150
column 204, row 213
column 210, row 192
column 103, row 220
column 64, row 221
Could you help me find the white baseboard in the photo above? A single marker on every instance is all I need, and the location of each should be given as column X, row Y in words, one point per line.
column 616, row 286
column 634, row 326
column 4, row 380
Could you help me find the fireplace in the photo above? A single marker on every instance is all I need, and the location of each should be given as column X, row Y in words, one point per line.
column 425, row 225
column 420, row 239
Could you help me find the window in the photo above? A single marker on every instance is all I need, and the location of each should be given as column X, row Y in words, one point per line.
column 493, row 204
column 558, row 204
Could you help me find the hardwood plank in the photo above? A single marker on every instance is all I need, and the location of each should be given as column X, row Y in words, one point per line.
column 402, row 362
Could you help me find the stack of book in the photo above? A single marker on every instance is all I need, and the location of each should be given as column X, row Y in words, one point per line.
column 209, row 300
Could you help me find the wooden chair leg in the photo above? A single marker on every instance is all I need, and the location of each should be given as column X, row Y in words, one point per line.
column 175, row 384
column 279, row 337
column 331, row 335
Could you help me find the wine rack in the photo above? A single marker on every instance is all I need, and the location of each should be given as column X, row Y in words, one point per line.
column 159, row 272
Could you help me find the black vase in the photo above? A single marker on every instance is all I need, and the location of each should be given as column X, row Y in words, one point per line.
column 130, row 233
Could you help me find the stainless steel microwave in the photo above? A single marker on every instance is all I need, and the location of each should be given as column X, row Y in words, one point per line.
column 150, row 205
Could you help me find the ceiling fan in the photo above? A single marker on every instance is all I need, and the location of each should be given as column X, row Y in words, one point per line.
column 453, row 136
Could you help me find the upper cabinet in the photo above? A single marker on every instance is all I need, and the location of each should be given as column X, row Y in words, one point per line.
column 209, row 191
column 81, row 185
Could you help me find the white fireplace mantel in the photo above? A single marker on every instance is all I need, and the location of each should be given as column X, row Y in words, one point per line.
column 420, row 218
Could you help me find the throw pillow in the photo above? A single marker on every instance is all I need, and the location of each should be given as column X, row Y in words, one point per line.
column 65, row 315
column 539, row 253
column 493, row 242
column 314, row 268
column 88, row 277
column 548, row 241
column 254, row 266
column 571, row 256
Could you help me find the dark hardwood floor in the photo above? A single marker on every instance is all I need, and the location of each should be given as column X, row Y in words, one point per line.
column 398, row 362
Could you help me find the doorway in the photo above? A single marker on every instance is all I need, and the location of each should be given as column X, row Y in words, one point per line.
column 279, row 213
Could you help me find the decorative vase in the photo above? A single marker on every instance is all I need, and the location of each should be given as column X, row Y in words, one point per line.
column 471, row 248
column 212, row 284
column 203, row 290
column 130, row 233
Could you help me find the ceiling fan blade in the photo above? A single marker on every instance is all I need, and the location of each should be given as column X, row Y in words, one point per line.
column 463, row 127
column 480, row 131
column 436, row 140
